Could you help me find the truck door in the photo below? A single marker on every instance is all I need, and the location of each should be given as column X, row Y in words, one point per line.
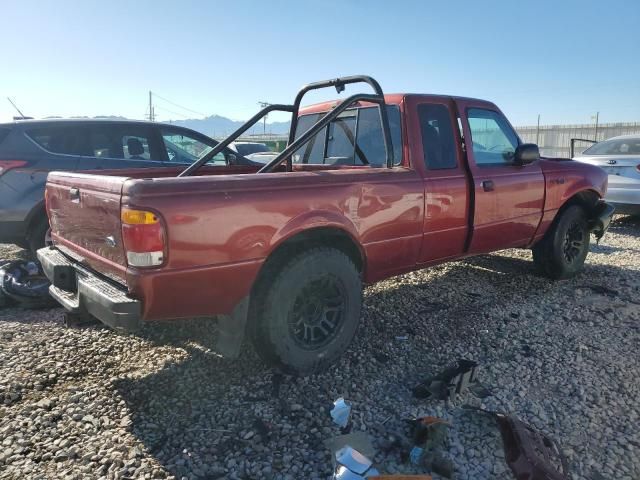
column 436, row 153
column 508, row 198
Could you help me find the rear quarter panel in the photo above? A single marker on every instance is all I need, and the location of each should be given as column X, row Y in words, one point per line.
column 220, row 230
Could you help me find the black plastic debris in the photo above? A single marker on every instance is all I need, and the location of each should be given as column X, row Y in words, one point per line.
column 453, row 380
column 24, row 284
column 529, row 453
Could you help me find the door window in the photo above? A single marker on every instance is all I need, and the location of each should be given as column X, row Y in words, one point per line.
column 438, row 142
column 183, row 148
column 494, row 141
column 123, row 142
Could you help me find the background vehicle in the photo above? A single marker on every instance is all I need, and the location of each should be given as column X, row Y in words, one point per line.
column 30, row 149
column 372, row 187
column 620, row 158
column 254, row 151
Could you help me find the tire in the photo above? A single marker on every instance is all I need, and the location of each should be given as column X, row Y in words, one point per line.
column 38, row 235
column 562, row 251
column 322, row 289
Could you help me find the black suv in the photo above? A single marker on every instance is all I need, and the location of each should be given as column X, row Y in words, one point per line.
column 30, row 149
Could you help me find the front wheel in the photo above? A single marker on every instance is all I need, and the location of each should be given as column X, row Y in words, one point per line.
column 306, row 310
column 563, row 250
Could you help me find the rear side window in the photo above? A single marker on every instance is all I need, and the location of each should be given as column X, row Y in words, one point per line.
column 354, row 138
column 438, row 143
column 4, row 132
column 64, row 140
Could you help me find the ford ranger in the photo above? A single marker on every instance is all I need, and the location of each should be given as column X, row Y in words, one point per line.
column 367, row 188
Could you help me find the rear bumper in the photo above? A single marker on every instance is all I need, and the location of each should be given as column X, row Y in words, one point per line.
column 601, row 218
column 81, row 291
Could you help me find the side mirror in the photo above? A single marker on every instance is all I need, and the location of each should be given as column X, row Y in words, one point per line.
column 526, row 153
column 231, row 158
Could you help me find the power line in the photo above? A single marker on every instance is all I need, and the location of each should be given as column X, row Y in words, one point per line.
column 178, row 105
column 170, row 111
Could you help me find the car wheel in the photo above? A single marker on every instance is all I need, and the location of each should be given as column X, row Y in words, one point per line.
column 39, row 235
column 306, row 310
column 562, row 251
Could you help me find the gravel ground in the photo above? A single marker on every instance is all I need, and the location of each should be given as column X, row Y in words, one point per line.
column 563, row 356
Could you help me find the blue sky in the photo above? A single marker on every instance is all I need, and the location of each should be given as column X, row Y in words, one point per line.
column 561, row 59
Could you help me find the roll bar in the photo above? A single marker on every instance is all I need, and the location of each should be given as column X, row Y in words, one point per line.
column 292, row 144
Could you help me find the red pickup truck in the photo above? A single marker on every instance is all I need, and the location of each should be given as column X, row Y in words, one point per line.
column 368, row 188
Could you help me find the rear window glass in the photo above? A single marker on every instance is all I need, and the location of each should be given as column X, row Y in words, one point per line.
column 68, row 141
column 3, row 133
column 354, row 138
column 618, row 146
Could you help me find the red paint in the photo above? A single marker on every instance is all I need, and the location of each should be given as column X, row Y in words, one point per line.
column 222, row 224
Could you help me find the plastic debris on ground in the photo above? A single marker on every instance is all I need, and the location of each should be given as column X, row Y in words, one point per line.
column 24, row 284
column 340, row 412
column 529, row 453
column 453, row 380
column 360, row 441
column 429, row 437
column 353, row 465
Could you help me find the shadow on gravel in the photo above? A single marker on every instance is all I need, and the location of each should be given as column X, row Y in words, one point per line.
column 203, row 415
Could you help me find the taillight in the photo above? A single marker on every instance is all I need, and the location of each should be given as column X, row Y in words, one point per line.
column 143, row 237
column 6, row 165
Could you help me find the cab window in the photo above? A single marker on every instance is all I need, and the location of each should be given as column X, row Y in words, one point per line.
column 354, row 138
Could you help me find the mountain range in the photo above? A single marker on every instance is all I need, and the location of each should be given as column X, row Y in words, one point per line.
column 217, row 126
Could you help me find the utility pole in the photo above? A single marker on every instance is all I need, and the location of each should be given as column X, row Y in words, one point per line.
column 538, row 132
column 264, row 119
column 151, row 115
column 597, row 118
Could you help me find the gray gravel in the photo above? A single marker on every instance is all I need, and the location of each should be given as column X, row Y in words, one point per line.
column 563, row 356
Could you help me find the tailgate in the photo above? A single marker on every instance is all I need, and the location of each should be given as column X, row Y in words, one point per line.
column 84, row 212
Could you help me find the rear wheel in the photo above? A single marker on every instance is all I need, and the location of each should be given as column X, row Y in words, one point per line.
column 563, row 250
column 39, row 235
column 306, row 310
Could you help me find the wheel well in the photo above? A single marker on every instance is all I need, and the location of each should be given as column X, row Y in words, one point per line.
column 317, row 237
column 587, row 199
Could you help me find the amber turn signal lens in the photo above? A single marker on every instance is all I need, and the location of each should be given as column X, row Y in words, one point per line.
column 138, row 217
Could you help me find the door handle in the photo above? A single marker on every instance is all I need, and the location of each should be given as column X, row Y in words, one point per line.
column 74, row 194
column 487, row 185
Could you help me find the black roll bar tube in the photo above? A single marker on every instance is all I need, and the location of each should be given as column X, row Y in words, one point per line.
column 227, row 141
column 322, row 123
column 339, row 84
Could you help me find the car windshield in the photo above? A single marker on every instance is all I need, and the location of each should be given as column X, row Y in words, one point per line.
column 615, row 146
column 250, row 148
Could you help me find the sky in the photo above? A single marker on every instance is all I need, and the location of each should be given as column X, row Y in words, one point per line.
column 564, row 60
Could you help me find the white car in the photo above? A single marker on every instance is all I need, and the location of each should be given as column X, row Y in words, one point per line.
column 254, row 151
column 620, row 158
